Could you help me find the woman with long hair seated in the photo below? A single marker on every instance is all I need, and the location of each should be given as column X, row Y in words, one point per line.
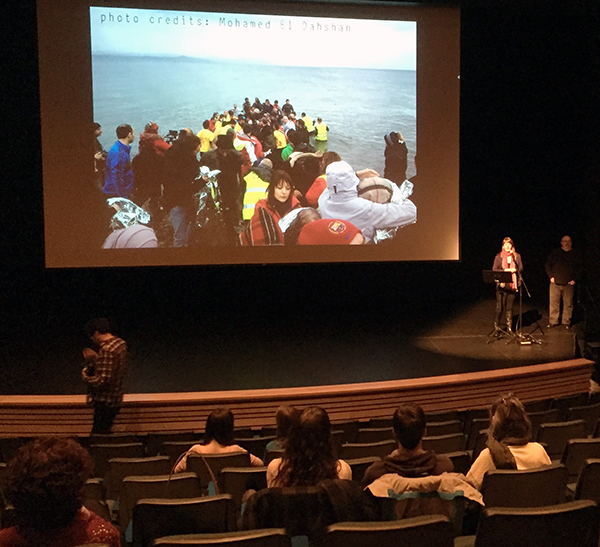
column 285, row 418
column 218, row 439
column 508, row 445
column 44, row 482
column 308, row 457
column 263, row 228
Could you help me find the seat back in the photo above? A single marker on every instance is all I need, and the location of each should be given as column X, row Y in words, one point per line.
column 360, row 465
column 475, row 426
column 272, row 537
column 574, row 524
column 576, row 453
column 542, row 417
column 443, row 444
column 443, row 416
column 203, row 464
column 461, row 461
column 588, row 484
column 155, row 518
column 352, row 451
column 119, row 468
column 374, row 435
column 101, row 453
column 589, row 413
column 155, row 440
column 255, row 445
column 337, row 440
column 555, row 436
column 525, row 488
column 379, row 423
column 235, row 481
column 174, row 449
column 424, row 531
column 444, row 428
column 134, row 488
column 480, row 444
column 350, row 429
column 568, row 401
column 113, row 438
column 270, row 455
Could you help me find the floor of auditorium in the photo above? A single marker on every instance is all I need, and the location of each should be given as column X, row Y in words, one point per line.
column 188, row 356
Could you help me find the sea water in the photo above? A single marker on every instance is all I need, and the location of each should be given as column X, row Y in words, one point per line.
column 360, row 106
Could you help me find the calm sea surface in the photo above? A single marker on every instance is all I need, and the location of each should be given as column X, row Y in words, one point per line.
column 359, row 106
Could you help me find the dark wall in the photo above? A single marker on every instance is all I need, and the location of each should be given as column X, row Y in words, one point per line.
column 529, row 169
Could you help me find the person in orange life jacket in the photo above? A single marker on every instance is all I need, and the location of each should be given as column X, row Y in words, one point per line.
column 320, row 183
column 507, row 260
column 263, row 228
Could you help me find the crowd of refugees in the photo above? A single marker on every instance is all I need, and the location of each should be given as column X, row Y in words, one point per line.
column 45, row 480
column 270, row 165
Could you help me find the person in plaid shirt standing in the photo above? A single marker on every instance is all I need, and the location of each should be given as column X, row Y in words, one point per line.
column 104, row 373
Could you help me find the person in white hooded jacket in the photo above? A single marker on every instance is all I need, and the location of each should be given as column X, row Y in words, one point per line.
column 340, row 200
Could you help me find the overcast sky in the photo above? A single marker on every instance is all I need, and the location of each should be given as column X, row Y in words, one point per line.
column 295, row 41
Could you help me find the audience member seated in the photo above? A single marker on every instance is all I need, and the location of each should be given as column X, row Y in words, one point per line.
column 409, row 459
column 285, row 418
column 218, row 439
column 44, row 483
column 308, row 457
column 508, row 445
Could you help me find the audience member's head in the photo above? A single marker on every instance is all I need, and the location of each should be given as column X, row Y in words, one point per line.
column 219, row 427
column 285, row 418
column 45, row 480
column 509, row 420
column 409, row 425
column 308, row 456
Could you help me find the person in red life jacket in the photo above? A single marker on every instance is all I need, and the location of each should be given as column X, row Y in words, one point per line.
column 263, row 228
column 330, row 231
column 320, row 183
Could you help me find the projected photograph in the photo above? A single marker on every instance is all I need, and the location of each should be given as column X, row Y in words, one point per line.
column 231, row 130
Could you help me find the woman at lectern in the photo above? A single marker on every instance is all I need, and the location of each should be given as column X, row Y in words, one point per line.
column 507, row 260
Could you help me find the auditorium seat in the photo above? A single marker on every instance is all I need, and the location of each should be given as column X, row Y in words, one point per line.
column 119, row 468
column 444, row 428
column 525, row 488
column 555, row 436
column 159, row 517
column 444, row 416
column 379, row 423
column 374, row 435
column 208, row 466
column 352, row 451
column 576, row 453
column 472, row 431
column 589, row 413
column 442, row 444
column 254, row 445
column 360, row 465
column 588, row 484
column 480, row 444
column 271, row 537
column 154, row 441
column 425, row 531
column 350, row 429
column 564, row 403
column 574, row 524
column 101, row 453
column 461, row 461
column 235, row 481
column 550, row 416
column 134, row 488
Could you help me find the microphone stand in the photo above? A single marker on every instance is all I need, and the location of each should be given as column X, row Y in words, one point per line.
column 521, row 338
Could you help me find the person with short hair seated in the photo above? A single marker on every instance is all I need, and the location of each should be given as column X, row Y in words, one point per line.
column 218, row 439
column 44, row 483
column 409, row 459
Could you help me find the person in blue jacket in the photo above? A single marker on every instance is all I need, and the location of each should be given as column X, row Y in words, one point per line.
column 118, row 175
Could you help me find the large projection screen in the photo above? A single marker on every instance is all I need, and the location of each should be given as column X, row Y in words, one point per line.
column 366, row 69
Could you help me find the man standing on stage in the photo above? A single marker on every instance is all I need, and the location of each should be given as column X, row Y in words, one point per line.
column 563, row 268
column 104, row 373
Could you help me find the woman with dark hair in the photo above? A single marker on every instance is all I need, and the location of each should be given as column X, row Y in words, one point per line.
column 44, row 483
column 218, row 439
column 507, row 260
column 508, row 445
column 263, row 228
column 308, row 457
column 285, row 418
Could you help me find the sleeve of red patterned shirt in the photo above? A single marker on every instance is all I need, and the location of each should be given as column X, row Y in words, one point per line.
column 104, row 365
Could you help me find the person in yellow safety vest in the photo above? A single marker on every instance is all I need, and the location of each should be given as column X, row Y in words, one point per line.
column 321, row 130
column 280, row 138
column 206, row 137
column 308, row 123
column 257, row 183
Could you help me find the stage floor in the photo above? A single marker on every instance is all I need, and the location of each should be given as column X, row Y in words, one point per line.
column 186, row 356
